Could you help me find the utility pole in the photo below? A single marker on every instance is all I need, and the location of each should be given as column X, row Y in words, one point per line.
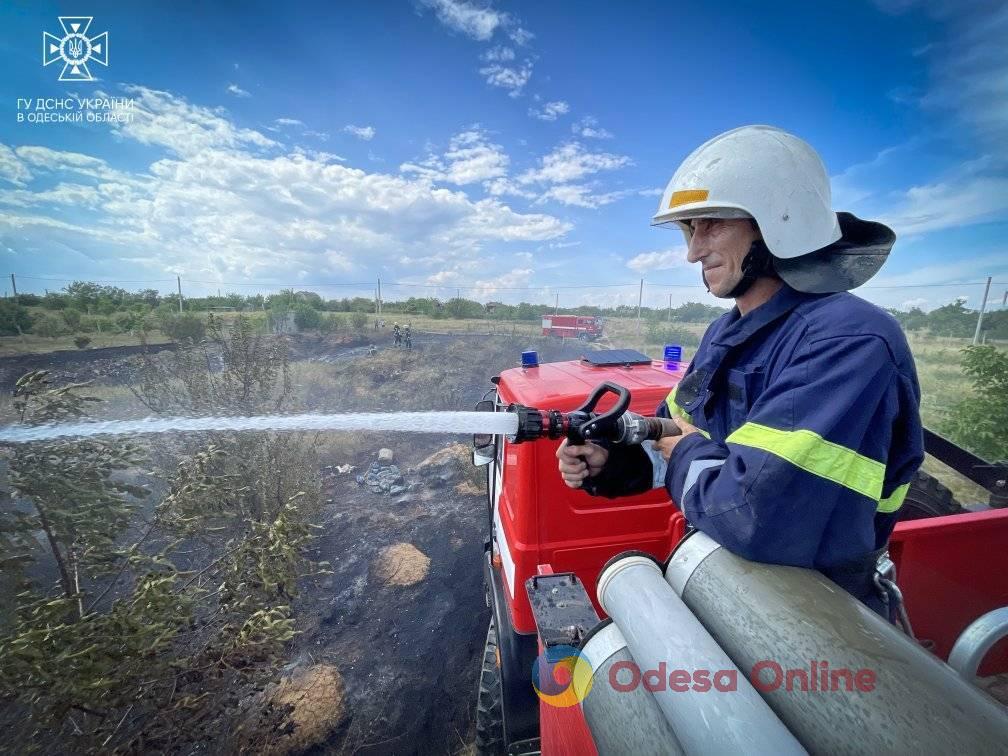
column 556, row 307
column 640, row 299
column 983, row 306
column 379, row 295
column 670, row 307
column 178, row 280
column 16, row 325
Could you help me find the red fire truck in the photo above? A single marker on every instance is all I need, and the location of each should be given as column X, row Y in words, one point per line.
column 548, row 546
column 582, row 327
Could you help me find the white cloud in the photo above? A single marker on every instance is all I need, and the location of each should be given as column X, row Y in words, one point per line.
column 666, row 259
column 570, row 162
column 322, row 135
column 512, row 279
column 931, row 207
column 920, row 303
column 656, row 191
column 550, row 111
column 365, row 133
column 580, row 195
column 968, row 62
column 588, row 128
column 461, row 16
column 505, row 187
column 12, row 169
column 520, row 36
column 288, row 122
column 237, row 91
column 498, row 54
column 470, row 158
column 510, row 78
column 219, row 208
column 167, row 120
column 443, row 277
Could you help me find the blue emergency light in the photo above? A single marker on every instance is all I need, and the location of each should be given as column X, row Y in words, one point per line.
column 530, row 359
column 673, row 353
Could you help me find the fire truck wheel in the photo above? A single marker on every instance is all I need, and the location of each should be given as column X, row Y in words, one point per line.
column 927, row 497
column 489, row 710
column 583, row 336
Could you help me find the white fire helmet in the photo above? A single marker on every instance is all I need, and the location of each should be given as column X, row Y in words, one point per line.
column 779, row 181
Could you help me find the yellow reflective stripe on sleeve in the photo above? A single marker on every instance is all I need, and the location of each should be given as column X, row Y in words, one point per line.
column 678, row 411
column 813, row 453
column 674, row 408
column 894, row 500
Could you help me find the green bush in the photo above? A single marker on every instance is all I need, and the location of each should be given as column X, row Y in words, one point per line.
column 49, row 326
column 96, row 324
column 306, row 317
column 81, row 341
column 72, row 319
column 12, row 317
column 332, row 324
column 185, row 328
column 978, row 422
column 359, row 321
column 125, row 322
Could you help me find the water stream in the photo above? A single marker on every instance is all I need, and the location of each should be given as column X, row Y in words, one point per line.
column 407, row 422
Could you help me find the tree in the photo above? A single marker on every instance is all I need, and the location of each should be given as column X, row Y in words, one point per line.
column 164, row 614
column 978, row 422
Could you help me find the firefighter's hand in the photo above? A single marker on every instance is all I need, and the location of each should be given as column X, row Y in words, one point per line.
column 573, row 469
column 667, row 444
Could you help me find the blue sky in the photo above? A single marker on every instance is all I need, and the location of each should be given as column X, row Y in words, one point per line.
column 505, row 150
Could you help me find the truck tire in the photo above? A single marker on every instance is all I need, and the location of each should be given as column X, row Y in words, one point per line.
column 927, row 497
column 489, row 707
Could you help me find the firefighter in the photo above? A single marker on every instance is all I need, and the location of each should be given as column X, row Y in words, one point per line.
column 408, row 336
column 396, row 334
column 799, row 414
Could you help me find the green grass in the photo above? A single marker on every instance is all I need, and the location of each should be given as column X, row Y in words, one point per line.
column 32, row 344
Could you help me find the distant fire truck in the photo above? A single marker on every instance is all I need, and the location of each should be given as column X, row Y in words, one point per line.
column 582, row 327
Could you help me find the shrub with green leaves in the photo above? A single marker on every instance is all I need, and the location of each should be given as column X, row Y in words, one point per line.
column 980, row 422
column 14, row 319
column 185, row 328
column 143, row 622
column 49, row 326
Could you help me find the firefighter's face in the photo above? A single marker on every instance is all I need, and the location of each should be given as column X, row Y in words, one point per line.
column 720, row 246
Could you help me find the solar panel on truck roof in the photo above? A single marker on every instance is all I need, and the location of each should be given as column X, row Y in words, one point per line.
column 604, row 357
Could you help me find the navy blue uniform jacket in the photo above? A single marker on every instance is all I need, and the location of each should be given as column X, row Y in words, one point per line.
column 810, row 433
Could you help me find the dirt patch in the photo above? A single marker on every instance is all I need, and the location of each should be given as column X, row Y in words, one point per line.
column 310, row 703
column 402, row 564
column 456, row 454
column 468, row 488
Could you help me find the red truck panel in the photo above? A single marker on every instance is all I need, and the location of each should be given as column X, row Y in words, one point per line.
column 951, row 571
column 544, row 522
